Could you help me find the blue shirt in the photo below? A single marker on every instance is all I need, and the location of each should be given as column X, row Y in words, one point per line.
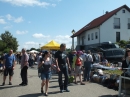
column 9, row 59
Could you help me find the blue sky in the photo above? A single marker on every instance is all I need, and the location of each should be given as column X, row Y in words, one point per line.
column 35, row 22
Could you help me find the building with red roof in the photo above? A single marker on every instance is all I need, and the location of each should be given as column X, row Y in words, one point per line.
column 112, row 26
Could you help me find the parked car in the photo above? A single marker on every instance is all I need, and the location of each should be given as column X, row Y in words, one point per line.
column 113, row 55
column 128, row 46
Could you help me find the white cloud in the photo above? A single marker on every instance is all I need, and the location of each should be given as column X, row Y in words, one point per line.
column 59, row 39
column 8, row 27
column 2, row 21
column 39, row 35
column 27, row 2
column 18, row 20
column 21, row 32
column 31, row 43
column 64, row 39
column 9, row 17
column 28, row 45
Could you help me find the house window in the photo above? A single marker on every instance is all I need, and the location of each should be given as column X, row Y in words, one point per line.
column 123, row 11
column 79, row 41
column 82, row 40
column 96, row 35
column 116, row 23
column 88, row 37
column 128, row 23
column 117, row 36
column 92, row 36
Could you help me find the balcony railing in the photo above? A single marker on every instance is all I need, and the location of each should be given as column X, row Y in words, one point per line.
column 116, row 26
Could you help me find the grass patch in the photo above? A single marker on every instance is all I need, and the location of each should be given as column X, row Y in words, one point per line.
column 117, row 72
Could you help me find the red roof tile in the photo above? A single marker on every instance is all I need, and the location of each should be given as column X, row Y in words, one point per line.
column 98, row 21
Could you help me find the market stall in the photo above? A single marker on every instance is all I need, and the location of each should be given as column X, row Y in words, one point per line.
column 52, row 45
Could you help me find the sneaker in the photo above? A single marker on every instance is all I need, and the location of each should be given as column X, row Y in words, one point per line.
column 67, row 90
column 10, row 83
column 61, row 91
column 46, row 94
column 3, row 83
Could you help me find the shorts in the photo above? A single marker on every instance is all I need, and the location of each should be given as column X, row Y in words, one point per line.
column 78, row 70
column 45, row 75
column 8, row 71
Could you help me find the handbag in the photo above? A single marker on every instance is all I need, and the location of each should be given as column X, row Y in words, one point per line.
column 40, row 70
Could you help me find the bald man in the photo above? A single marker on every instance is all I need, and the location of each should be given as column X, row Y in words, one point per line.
column 24, row 67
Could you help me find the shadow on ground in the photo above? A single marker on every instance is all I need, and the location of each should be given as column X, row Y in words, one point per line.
column 53, row 86
column 39, row 94
column 53, row 81
column 32, row 95
column 109, row 96
column 6, row 87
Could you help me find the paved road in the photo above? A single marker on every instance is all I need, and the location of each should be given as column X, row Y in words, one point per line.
column 33, row 89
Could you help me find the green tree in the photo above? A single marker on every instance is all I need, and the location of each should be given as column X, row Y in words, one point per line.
column 10, row 41
column 122, row 43
column 33, row 49
column 2, row 45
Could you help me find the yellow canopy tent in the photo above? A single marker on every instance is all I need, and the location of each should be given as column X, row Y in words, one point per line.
column 52, row 45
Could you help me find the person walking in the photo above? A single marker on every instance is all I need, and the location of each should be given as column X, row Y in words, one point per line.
column 8, row 66
column 24, row 67
column 46, row 62
column 87, row 66
column 62, row 64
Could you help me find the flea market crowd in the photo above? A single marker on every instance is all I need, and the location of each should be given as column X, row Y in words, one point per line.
column 82, row 64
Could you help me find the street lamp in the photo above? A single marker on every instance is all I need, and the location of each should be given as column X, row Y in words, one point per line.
column 40, row 47
column 73, row 32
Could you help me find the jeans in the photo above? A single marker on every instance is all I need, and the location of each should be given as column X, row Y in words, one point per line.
column 64, row 70
column 31, row 62
column 87, row 70
column 46, row 75
column 24, row 75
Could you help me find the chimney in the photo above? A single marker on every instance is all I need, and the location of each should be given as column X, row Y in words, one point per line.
column 107, row 12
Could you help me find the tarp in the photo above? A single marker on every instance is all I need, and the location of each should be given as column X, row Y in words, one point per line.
column 52, row 45
column 33, row 51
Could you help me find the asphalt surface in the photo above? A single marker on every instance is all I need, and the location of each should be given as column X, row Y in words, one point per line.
column 33, row 87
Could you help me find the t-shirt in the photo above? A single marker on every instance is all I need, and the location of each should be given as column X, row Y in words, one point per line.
column 89, row 58
column 61, row 57
column 24, row 59
column 46, row 65
column 78, row 61
column 9, row 59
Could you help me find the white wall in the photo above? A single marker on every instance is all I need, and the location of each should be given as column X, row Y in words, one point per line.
column 86, row 42
column 107, row 31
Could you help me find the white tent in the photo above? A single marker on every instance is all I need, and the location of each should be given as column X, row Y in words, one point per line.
column 34, row 51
